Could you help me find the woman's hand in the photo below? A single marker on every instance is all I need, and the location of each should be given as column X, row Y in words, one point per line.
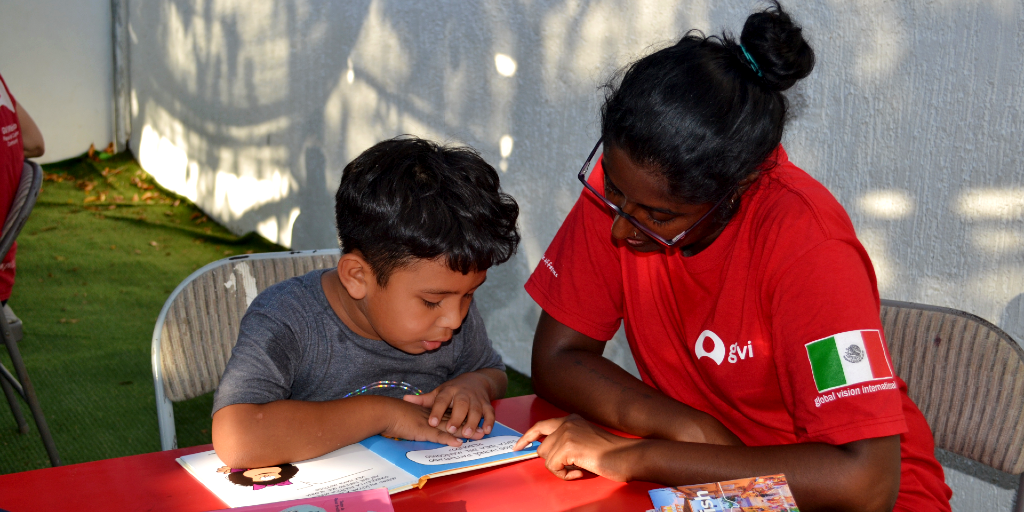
column 574, row 444
column 469, row 396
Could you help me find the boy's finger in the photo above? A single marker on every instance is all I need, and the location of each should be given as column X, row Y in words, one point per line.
column 442, row 437
column 438, row 408
column 471, row 430
column 488, row 419
column 460, row 408
column 418, row 400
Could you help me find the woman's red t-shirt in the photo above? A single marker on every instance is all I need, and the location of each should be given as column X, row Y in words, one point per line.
column 786, row 271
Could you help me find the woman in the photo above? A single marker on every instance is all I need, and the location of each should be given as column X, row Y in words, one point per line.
column 21, row 139
column 750, row 307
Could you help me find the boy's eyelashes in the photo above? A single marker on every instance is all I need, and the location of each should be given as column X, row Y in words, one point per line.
column 433, row 305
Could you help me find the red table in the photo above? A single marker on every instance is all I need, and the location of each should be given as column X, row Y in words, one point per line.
column 155, row 482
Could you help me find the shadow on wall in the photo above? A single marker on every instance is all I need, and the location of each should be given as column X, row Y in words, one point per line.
column 228, row 107
column 1013, row 318
column 253, row 109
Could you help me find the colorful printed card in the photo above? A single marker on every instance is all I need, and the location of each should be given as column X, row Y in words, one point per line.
column 762, row 493
column 374, row 500
column 375, row 462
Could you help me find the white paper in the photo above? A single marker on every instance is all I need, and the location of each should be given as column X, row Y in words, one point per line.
column 469, row 451
column 352, row 468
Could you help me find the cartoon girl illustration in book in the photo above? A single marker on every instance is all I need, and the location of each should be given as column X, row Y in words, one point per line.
column 258, row 478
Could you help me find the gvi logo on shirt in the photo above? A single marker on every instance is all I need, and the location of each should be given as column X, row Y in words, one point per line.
column 717, row 353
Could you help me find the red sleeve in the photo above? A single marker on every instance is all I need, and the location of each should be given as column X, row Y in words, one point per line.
column 579, row 281
column 6, row 89
column 831, row 290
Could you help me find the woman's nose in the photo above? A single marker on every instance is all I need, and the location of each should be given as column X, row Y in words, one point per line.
column 622, row 228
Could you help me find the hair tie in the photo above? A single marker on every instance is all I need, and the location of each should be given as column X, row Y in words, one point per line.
column 750, row 60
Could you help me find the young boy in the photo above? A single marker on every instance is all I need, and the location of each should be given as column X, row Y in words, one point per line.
column 390, row 340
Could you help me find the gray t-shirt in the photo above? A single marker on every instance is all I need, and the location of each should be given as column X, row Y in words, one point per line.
column 292, row 345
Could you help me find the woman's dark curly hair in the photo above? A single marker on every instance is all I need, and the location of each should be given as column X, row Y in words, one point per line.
column 700, row 114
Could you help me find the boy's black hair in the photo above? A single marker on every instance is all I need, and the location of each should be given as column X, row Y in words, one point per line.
column 407, row 198
column 701, row 112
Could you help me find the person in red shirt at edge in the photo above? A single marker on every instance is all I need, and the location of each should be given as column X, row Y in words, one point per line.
column 726, row 262
column 21, row 139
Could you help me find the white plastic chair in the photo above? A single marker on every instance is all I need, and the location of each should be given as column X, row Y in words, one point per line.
column 198, row 325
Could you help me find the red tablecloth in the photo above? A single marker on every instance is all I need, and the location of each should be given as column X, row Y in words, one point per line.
column 155, row 482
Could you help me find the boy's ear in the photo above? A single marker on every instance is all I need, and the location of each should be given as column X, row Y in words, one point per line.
column 355, row 275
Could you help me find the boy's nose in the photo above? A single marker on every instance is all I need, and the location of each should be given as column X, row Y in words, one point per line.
column 451, row 318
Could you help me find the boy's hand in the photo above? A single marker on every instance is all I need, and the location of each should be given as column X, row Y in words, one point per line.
column 409, row 421
column 469, row 396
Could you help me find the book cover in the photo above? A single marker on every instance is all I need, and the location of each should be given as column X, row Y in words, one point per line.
column 760, row 493
column 372, row 463
column 374, row 500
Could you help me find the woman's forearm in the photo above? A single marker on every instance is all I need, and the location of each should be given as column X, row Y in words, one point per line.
column 576, row 377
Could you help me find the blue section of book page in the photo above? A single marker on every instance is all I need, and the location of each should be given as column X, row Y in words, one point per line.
column 397, row 452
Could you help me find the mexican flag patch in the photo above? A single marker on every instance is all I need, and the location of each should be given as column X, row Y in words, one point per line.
column 848, row 358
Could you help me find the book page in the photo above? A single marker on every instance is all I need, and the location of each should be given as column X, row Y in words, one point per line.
column 352, row 468
column 421, row 458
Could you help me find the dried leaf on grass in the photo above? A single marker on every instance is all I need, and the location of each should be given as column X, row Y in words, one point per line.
column 138, row 183
column 69, row 320
column 52, row 176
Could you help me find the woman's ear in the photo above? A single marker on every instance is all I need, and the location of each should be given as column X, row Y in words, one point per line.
column 355, row 275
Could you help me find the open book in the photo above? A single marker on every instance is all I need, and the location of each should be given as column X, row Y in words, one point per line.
column 372, row 463
column 767, row 493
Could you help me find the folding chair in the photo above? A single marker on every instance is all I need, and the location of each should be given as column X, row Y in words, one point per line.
column 967, row 377
column 21, row 207
column 198, row 325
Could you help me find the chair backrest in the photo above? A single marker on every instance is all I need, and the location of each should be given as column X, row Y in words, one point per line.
column 21, row 205
column 967, row 377
column 198, row 325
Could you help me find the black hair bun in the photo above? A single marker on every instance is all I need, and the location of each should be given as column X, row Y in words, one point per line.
column 778, row 47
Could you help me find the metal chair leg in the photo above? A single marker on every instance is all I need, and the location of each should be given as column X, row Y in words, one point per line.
column 1019, row 500
column 12, row 400
column 30, row 393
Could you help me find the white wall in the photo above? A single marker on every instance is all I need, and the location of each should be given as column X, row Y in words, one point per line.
column 913, row 118
column 55, row 56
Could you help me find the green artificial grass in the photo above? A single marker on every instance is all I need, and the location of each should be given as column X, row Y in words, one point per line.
column 102, row 251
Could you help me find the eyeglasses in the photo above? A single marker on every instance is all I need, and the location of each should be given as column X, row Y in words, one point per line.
column 584, row 175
